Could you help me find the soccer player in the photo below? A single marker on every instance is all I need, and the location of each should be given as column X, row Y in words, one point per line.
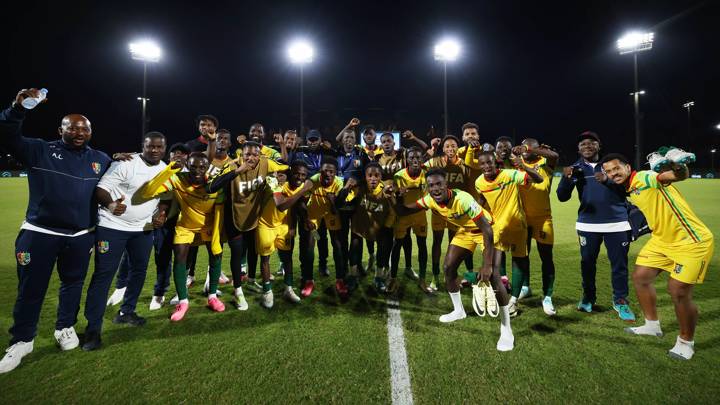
column 58, row 226
column 680, row 245
column 321, row 211
column 457, row 178
column 538, row 215
column 503, row 152
column 500, row 188
column 602, row 218
column 125, row 224
column 244, row 186
column 276, row 226
column 410, row 182
column 257, row 135
column 371, row 219
column 200, row 222
column 474, row 228
column 207, row 124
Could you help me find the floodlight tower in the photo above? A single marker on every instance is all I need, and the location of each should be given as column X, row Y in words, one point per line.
column 634, row 42
column 446, row 50
column 300, row 52
column 145, row 51
column 688, row 106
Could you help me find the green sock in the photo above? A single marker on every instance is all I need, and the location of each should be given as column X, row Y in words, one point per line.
column 519, row 273
column 180, row 277
column 288, row 278
column 471, row 277
column 267, row 286
column 215, row 263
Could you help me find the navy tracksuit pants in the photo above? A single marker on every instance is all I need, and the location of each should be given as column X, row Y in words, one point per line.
column 110, row 246
column 163, row 248
column 617, row 245
column 37, row 253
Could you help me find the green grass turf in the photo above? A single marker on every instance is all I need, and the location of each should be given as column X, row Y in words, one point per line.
column 327, row 351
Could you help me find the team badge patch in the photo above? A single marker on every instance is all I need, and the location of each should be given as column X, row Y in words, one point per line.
column 23, row 258
column 96, row 167
column 103, row 246
column 678, row 268
column 583, row 241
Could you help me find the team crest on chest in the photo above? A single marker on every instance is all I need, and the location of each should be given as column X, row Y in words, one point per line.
column 23, row 258
column 96, row 166
column 103, row 246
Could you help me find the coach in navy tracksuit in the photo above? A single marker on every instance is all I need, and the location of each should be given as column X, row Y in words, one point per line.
column 602, row 217
column 59, row 223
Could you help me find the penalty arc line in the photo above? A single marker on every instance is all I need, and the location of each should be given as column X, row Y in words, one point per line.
column 399, row 370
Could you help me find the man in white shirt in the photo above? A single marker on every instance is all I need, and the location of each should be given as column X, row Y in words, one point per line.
column 125, row 223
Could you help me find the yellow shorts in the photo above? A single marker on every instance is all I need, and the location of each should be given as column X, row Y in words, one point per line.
column 541, row 229
column 439, row 223
column 416, row 221
column 468, row 239
column 685, row 263
column 332, row 221
column 194, row 238
column 267, row 239
column 511, row 239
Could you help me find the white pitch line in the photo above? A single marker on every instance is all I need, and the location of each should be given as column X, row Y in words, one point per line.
column 399, row 370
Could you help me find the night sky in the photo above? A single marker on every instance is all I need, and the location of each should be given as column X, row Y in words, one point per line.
column 539, row 69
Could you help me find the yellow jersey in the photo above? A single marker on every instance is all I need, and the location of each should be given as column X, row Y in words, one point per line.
column 536, row 196
column 461, row 210
column 378, row 152
column 269, row 153
column 271, row 216
column 391, row 164
column 668, row 214
column 415, row 185
column 503, row 196
column 318, row 200
column 457, row 173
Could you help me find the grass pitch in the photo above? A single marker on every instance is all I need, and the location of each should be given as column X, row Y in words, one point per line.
column 327, row 351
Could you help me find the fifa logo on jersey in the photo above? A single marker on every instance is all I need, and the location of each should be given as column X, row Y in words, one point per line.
column 371, row 206
column 678, row 268
column 250, row 185
column 103, row 246
column 96, row 167
column 23, row 258
column 455, row 178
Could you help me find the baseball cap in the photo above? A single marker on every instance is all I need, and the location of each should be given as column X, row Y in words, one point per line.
column 588, row 135
column 313, row 134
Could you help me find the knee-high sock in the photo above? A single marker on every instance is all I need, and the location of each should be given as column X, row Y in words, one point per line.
column 519, row 273
column 215, row 267
column 180, row 277
column 286, row 260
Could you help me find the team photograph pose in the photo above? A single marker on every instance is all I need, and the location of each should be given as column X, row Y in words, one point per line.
column 680, row 243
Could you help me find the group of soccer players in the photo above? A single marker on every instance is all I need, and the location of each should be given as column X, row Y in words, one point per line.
column 257, row 199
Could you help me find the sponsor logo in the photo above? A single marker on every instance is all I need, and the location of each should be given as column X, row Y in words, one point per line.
column 583, row 241
column 23, row 258
column 96, row 166
column 625, row 243
column 103, row 246
column 57, row 156
column 678, row 268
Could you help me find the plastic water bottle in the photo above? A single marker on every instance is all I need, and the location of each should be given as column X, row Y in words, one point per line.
column 31, row 102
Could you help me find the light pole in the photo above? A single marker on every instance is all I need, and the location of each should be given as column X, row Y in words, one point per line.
column 634, row 42
column 301, row 52
column 447, row 50
column 145, row 51
column 712, row 159
column 689, row 105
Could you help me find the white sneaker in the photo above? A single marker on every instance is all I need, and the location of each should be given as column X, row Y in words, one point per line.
column 453, row 316
column 156, row 302
column 506, row 341
column 67, row 339
column 14, row 354
column 645, row 330
column 266, row 300
column 206, row 287
column 525, row 292
column 223, row 278
column 657, row 161
column 410, row 273
column 683, row 350
column 512, row 308
column 678, row 155
column 116, row 297
column 190, row 281
column 280, row 271
column 239, row 300
column 175, row 300
column 254, row 286
column 548, row 306
column 290, row 295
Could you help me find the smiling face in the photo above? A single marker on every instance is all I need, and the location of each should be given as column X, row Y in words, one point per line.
column 257, row 133
column 298, row 175
column 327, row 174
column 588, row 149
column 75, row 130
column 197, row 167
column 532, row 144
column 290, row 139
column 414, row 161
column 388, row 144
column 179, row 156
column 617, row 171
column 487, row 165
column 223, row 143
column 206, row 126
column 153, row 149
column 470, row 134
column 450, row 148
column 437, row 188
column 503, row 150
column 251, row 155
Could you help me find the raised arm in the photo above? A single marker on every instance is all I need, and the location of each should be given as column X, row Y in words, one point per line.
column 11, row 120
column 351, row 125
column 212, row 146
column 677, row 172
column 283, row 202
column 566, row 185
column 549, row 154
column 411, row 137
column 159, row 184
column 533, row 175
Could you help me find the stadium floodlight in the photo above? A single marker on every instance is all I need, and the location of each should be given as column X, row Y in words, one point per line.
column 447, row 50
column 641, row 92
column 717, row 126
column 300, row 52
column 146, row 51
column 689, row 105
column 635, row 41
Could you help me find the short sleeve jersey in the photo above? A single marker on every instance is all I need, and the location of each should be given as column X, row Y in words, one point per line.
column 415, row 185
column 461, row 209
column 668, row 214
column 503, row 195
column 318, row 200
column 271, row 216
column 391, row 164
column 536, row 196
